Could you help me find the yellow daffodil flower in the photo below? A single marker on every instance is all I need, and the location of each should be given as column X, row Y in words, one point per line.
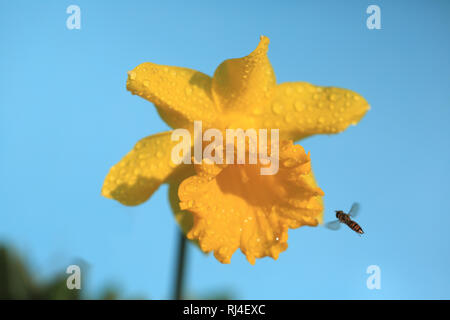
column 226, row 207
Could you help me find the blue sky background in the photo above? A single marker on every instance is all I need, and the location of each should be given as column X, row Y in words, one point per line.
column 66, row 118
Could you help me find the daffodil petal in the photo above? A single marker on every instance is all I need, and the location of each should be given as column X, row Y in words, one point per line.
column 184, row 218
column 301, row 109
column 235, row 207
column 134, row 179
column 242, row 83
column 181, row 95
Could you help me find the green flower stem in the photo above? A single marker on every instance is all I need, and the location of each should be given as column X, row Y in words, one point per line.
column 178, row 293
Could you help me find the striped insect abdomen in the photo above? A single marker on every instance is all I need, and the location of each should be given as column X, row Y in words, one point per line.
column 355, row 227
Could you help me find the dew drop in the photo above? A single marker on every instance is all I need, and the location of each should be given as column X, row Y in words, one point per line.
column 299, row 106
column 288, row 119
column 276, row 108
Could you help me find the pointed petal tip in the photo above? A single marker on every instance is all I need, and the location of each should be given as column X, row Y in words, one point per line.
column 105, row 194
column 263, row 45
column 265, row 40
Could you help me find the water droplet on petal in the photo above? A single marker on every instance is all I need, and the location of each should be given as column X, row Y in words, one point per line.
column 288, row 119
column 276, row 108
column 299, row 106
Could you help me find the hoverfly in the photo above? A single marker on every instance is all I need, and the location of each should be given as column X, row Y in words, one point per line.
column 346, row 218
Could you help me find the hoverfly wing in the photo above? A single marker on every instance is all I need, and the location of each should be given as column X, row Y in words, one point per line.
column 354, row 210
column 333, row 225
